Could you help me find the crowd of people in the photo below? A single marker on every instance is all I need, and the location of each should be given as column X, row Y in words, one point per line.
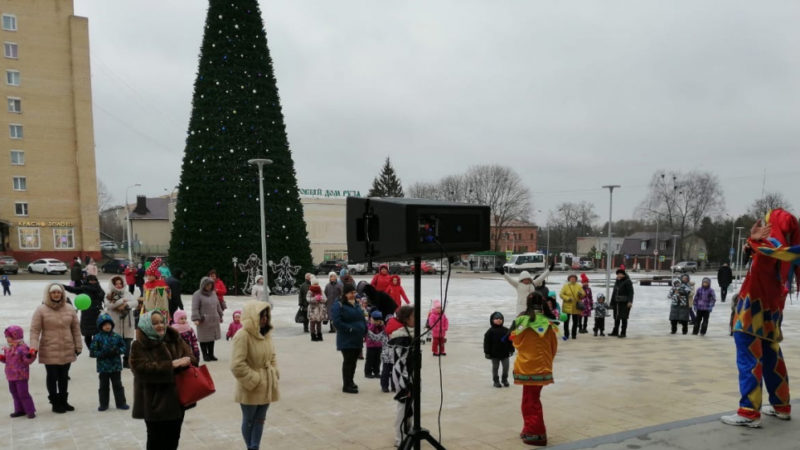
column 157, row 339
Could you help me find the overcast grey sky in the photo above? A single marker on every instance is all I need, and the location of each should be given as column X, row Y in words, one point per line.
column 573, row 94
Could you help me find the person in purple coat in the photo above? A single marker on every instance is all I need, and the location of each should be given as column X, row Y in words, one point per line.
column 704, row 300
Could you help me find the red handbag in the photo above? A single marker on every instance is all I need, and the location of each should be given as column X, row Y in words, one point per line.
column 194, row 384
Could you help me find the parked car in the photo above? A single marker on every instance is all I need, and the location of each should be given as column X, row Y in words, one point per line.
column 109, row 246
column 587, row 265
column 8, row 265
column 685, row 266
column 333, row 265
column 427, row 269
column 561, row 266
column 116, row 265
column 439, row 266
column 399, row 268
column 532, row 262
column 357, row 268
column 47, row 266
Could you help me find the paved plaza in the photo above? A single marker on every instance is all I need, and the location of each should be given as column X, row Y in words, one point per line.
column 669, row 388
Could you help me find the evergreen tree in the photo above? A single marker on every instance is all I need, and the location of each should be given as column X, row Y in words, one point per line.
column 386, row 184
column 236, row 116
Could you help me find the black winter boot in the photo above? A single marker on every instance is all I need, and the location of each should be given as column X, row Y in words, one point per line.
column 58, row 408
column 497, row 382
column 67, row 406
column 103, row 395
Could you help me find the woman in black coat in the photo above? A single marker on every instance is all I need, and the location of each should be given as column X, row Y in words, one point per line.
column 89, row 316
column 621, row 302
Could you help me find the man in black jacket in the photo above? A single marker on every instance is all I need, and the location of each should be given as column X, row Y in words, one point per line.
column 724, row 278
column 89, row 316
column 621, row 302
column 174, row 283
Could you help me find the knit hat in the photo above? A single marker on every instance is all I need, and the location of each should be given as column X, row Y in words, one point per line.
column 436, row 304
column 55, row 287
column 601, row 295
column 621, row 270
column 584, row 279
column 179, row 314
column 239, row 312
column 14, row 332
column 376, row 315
column 348, row 288
column 313, row 280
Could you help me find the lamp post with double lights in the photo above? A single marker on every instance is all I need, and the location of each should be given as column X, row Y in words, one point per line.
column 261, row 162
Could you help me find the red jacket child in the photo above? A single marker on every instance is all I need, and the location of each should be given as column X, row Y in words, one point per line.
column 382, row 279
column 396, row 291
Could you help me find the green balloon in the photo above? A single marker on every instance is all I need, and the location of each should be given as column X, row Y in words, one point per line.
column 82, row 302
column 563, row 317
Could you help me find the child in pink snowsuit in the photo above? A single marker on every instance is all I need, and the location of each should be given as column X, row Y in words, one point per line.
column 438, row 328
column 17, row 357
column 184, row 328
column 235, row 325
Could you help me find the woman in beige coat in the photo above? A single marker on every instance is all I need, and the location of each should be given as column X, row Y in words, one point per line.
column 254, row 366
column 56, row 335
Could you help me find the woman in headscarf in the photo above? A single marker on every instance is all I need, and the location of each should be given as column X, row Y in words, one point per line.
column 156, row 355
column 56, row 336
column 207, row 317
column 254, row 366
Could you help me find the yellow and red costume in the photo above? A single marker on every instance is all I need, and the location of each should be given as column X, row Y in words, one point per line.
column 536, row 341
column 759, row 314
column 156, row 291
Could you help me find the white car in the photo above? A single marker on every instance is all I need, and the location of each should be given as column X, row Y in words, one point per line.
column 357, row 269
column 109, row 245
column 532, row 262
column 47, row 266
column 438, row 266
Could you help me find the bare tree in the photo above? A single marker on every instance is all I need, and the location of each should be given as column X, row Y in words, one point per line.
column 502, row 189
column 681, row 201
column 104, row 198
column 771, row 200
column 498, row 187
column 568, row 221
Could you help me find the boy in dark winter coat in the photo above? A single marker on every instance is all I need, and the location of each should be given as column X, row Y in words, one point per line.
column 108, row 347
column 6, row 285
column 375, row 342
column 600, row 313
column 498, row 347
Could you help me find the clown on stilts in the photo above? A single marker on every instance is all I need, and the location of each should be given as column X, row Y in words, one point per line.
column 758, row 316
column 156, row 291
column 535, row 336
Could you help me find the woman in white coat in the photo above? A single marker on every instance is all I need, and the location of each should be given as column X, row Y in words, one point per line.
column 525, row 284
column 120, row 306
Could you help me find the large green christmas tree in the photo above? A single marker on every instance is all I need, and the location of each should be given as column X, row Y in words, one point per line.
column 236, row 116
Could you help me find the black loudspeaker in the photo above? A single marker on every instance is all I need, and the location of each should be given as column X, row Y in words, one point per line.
column 402, row 228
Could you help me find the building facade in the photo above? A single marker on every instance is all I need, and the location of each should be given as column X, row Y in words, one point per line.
column 516, row 237
column 48, row 187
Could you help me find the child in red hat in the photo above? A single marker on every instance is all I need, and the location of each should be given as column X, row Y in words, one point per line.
column 588, row 302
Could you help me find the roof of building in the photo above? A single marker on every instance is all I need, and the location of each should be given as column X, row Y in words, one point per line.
column 632, row 245
column 157, row 209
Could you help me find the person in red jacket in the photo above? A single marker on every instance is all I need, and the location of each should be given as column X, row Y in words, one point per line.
column 396, row 291
column 382, row 279
column 219, row 287
column 130, row 277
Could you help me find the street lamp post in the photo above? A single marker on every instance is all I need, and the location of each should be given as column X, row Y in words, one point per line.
column 261, row 162
column 674, row 247
column 609, row 251
column 128, row 220
column 733, row 228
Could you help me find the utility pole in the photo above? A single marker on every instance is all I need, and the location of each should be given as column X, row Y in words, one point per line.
column 609, row 250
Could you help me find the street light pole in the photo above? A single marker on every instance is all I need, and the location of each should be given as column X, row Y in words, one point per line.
column 733, row 228
column 674, row 247
column 609, row 251
column 260, row 162
column 657, row 263
column 128, row 219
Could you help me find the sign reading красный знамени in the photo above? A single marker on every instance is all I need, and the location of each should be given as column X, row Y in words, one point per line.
column 329, row 193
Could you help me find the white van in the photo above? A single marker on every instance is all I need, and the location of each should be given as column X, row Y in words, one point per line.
column 532, row 262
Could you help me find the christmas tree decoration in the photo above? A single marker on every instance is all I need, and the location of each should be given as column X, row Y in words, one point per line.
column 252, row 267
column 236, row 116
column 285, row 279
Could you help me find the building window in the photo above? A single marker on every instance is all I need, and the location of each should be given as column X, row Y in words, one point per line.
column 14, row 105
column 17, row 158
column 63, row 238
column 21, row 208
column 29, row 238
column 9, row 22
column 643, row 246
column 329, row 255
column 12, row 77
column 20, row 184
column 15, row 131
column 10, row 50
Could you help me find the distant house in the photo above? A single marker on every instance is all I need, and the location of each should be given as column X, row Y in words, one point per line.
column 599, row 244
column 640, row 248
column 151, row 224
column 517, row 236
